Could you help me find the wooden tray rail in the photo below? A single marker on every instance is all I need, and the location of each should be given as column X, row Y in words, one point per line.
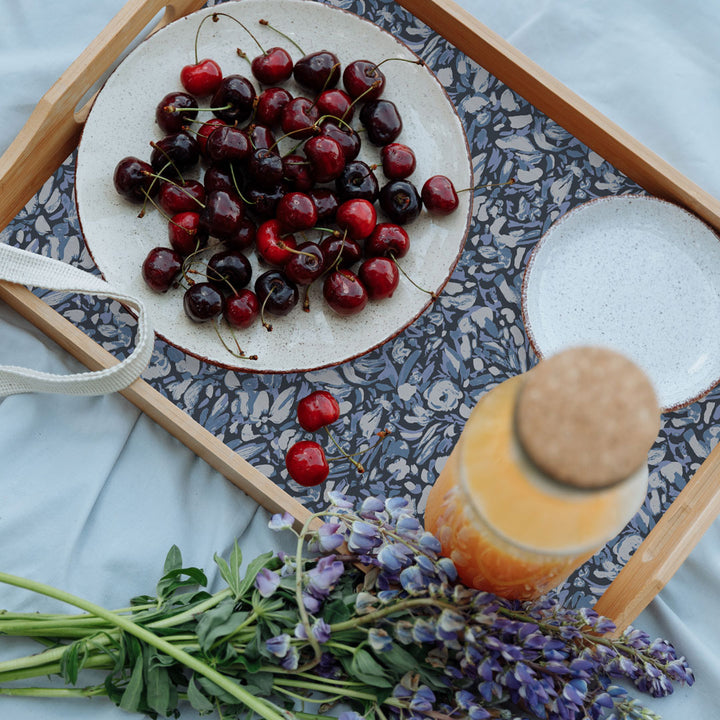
column 53, row 131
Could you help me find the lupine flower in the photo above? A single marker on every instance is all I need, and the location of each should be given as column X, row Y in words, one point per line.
column 267, row 582
column 281, row 521
column 328, row 538
column 278, row 645
column 379, row 640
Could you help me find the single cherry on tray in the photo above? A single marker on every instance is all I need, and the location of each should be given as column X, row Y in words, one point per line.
column 363, row 79
column 133, row 179
column 185, row 233
column 201, row 78
column 398, row 161
column 176, row 111
column 241, row 310
column 161, row 269
column 318, row 70
column 202, row 302
column 306, row 264
column 306, row 463
column 317, row 410
column 357, row 217
column 380, row 276
column 344, row 292
column 273, row 67
column 439, row 195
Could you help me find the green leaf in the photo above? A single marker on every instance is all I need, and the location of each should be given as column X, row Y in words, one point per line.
column 173, row 560
column 397, row 658
column 132, row 697
column 70, row 662
column 364, row 667
column 253, row 569
column 178, row 578
column 336, row 611
column 219, row 622
column 197, row 699
column 231, row 572
column 161, row 694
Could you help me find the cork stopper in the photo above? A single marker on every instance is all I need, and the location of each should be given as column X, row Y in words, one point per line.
column 587, row 417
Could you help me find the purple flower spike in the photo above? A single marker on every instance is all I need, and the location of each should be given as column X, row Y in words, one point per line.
column 392, row 559
column 291, row 659
column 430, row 544
column 311, row 603
column 278, row 645
column 300, row 632
column 324, row 575
column 407, row 524
column 340, row 500
column 267, row 582
column 281, row 521
column 396, row 505
column 328, row 538
column 412, row 580
column 379, row 640
column 370, row 507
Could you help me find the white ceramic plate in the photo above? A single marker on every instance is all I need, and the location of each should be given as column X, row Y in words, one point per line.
column 122, row 123
column 636, row 274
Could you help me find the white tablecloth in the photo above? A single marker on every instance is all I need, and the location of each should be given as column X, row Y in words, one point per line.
column 93, row 493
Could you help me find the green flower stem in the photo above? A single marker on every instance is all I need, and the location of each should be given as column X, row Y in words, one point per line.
column 191, row 613
column 321, row 687
column 261, row 708
column 54, row 692
column 389, row 610
column 304, row 618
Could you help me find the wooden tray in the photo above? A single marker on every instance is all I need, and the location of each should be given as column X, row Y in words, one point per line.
column 53, row 130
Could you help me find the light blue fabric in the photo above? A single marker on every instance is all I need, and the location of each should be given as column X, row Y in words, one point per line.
column 92, row 493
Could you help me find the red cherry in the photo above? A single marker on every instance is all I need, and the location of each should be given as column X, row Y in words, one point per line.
column 160, row 268
column 306, row 265
column 273, row 67
column 176, row 198
column 203, row 78
column 317, row 410
column 336, row 103
column 344, row 292
column 185, row 234
column 364, row 78
column 306, row 463
column 296, row 211
column 272, row 245
column 358, row 217
column 326, row 158
column 241, row 310
column 204, row 132
column 271, row 103
column 439, row 196
column 398, row 161
column 387, row 239
column 299, row 117
column 380, row 276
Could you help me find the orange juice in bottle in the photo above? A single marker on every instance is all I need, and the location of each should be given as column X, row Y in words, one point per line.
column 550, row 466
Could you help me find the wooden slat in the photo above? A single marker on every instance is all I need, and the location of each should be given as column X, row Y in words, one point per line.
column 568, row 109
column 180, row 425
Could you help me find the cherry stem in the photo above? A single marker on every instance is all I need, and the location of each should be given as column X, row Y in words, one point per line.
column 266, row 324
column 239, row 353
column 154, row 177
column 279, row 32
column 412, row 282
column 262, row 50
column 237, row 188
column 187, row 262
column 344, row 454
column 407, row 60
column 284, row 246
column 197, row 33
column 325, row 84
column 382, row 434
column 511, row 181
column 170, row 161
column 176, row 109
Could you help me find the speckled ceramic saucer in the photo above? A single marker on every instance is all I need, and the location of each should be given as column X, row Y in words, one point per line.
column 636, row 274
column 121, row 123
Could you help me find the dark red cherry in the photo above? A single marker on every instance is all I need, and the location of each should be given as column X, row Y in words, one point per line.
column 174, row 154
column 306, row 264
column 265, row 168
column 363, row 79
column 273, row 244
column 222, row 214
column 380, row 276
column 326, row 158
column 202, row 78
column 174, row 197
column 228, row 144
column 242, row 310
column 133, row 179
column 387, row 239
column 236, row 96
column 344, row 292
column 299, row 117
column 341, row 250
column 382, row 121
column 296, row 171
column 398, row 161
column 263, row 202
column 306, row 463
column 276, row 294
column 345, row 136
column 229, row 271
column 357, row 217
column 205, row 130
column 318, row 71
column 185, row 233
column 261, row 137
column 176, row 111
column 357, row 180
column 317, row 410
column 161, row 268
column 296, row 211
column 400, row 201
column 244, row 236
column 270, row 105
column 273, row 67
column 218, row 177
column 202, row 302
column 326, row 202
column 439, row 195
column 336, row 103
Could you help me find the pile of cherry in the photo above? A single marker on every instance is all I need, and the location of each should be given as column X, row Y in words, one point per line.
column 252, row 196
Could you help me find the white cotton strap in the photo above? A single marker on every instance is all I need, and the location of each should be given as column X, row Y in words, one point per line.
column 28, row 268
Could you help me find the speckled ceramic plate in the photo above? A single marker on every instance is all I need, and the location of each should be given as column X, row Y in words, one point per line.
column 122, row 123
column 636, row 274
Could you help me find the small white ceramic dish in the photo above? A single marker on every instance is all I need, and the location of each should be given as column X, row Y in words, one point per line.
column 636, row 274
column 122, row 123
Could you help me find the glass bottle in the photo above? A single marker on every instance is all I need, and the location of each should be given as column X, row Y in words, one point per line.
column 550, row 466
